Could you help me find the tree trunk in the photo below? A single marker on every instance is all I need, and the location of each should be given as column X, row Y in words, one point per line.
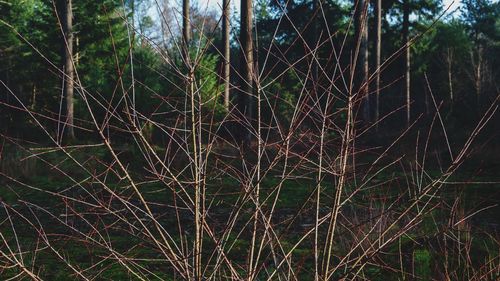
column 315, row 42
column 362, row 68
column 406, row 31
column 132, row 17
column 33, row 97
column 449, row 61
column 68, row 67
column 478, row 76
column 364, row 50
column 246, row 64
column 378, row 51
column 226, row 50
column 186, row 29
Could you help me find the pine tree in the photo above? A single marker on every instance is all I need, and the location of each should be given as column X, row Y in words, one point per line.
column 246, row 63
column 67, row 23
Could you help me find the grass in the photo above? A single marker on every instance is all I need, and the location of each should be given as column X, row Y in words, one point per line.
column 294, row 194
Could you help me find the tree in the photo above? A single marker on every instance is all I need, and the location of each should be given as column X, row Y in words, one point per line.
column 186, row 28
column 452, row 47
column 67, row 24
column 407, row 50
column 315, row 67
column 361, row 35
column 378, row 50
column 481, row 19
column 423, row 11
column 246, row 63
column 226, row 50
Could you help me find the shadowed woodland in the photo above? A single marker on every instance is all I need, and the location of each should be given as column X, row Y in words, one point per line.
column 249, row 140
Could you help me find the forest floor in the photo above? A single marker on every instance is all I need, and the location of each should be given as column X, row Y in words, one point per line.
column 37, row 200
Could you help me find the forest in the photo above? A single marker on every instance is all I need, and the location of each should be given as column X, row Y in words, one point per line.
column 249, row 140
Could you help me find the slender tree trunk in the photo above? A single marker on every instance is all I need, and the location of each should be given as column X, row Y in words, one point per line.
column 246, row 107
column 198, row 205
column 186, row 28
column 132, row 17
column 364, row 50
column 68, row 67
column 449, row 61
column 315, row 69
column 478, row 75
column 33, row 97
column 427, row 101
column 226, row 50
column 246, row 63
column 77, row 51
column 315, row 40
column 378, row 51
column 362, row 68
column 406, row 31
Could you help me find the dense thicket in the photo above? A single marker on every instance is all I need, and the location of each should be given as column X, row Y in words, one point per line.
column 296, row 140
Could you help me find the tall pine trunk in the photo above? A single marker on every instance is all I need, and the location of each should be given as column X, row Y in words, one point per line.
column 378, row 51
column 186, row 29
column 132, row 18
column 406, row 33
column 362, row 63
column 246, row 64
column 67, row 20
column 226, row 51
column 364, row 54
column 315, row 41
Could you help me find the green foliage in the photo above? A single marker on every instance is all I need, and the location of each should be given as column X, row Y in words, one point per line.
column 207, row 83
column 422, row 260
column 286, row 91
column 147, row 86
column 103, row 59
column 481, row 18
column 102, row 44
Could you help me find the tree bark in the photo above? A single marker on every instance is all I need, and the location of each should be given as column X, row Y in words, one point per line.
column 406, row 33
column 226, row 51
column 449, row 62
column 478, row 75
column 132, row 17
column 246, row 63
column 362, row 68
column 186, row 28
column 68, row 67
column 364, row 54
column 378, row 51
column 315, row 41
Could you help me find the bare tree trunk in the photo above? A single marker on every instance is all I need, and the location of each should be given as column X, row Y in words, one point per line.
column 315, row 40
column 246, row 107
column 362, row 68
column 246, row 63
column 132, row 17
column 77, row 51
column 378, row 51
column 186, row 38
column 315, row 69
column 68, row 67
column 406, row 31
column 226, row 50
column 364, row 54
column 478, row 75
column 449, row 61
column 33, row 97
column 186, row 28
